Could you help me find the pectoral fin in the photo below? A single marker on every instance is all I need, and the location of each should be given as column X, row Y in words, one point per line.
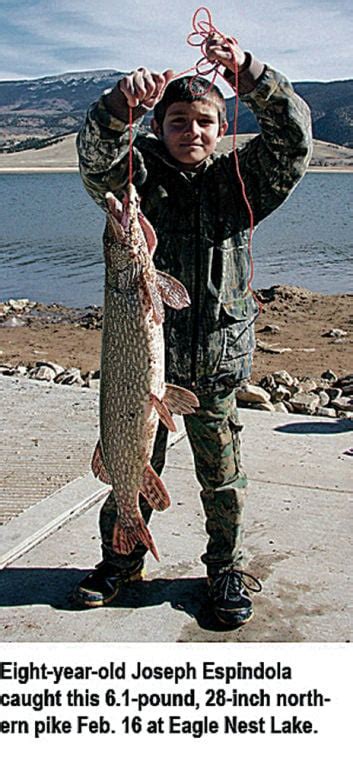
column 163, row 413
column 180, row 400
column 172, row 291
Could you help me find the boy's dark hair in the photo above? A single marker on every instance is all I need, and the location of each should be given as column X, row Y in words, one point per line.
column 180, row 90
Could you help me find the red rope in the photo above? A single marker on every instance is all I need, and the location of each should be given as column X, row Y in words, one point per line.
column 131, row 147
column 202, row 29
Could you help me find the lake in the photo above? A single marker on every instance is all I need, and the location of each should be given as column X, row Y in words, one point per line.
column 51, row 250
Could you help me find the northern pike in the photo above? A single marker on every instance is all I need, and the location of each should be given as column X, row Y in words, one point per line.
column 133, row 393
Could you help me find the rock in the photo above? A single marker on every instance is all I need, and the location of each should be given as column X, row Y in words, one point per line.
column 334, row 393
column 283, row 377
column 345, row 380
column 324, row 398
column 345, row 383
column 5, row 369
column 271, row 329
column 307, row 385
column 345, row 415
column 325, row 412
column 21, row 369
column 329, row 375
column 18, row 304
column 57, row 368
column 92, row 379
column 93, row 384
column 13, row 322
column 268, row 383
column 252, row 394
column 305, row 403
column 264, row 406
column 280, row 407
column 70, row 376
column 334, row 333
column 269, row 348
column 347, row 390
column 42, row 373
column 343, row 404
column 281, row 393
column 322, row 385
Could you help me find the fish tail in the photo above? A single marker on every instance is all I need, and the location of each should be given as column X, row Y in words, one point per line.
column 154, row 490
column 125, row 538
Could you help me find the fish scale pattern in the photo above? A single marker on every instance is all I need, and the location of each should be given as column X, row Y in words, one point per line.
column 132, row 361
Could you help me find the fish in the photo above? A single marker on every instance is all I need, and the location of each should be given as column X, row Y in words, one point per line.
column 133, row 393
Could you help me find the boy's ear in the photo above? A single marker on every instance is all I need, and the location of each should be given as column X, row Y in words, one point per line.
column 156, row 128
column 222, row 130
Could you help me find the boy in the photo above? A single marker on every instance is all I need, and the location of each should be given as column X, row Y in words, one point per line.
column 194, row 201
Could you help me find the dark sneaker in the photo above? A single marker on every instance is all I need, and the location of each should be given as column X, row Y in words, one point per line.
column 230, row 600
column 103, row 584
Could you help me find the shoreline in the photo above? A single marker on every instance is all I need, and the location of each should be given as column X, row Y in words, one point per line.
column 299, row 330
column 75, row 169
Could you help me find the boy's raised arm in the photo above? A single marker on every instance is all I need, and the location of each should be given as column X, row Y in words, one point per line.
column 103, row 141
column 272, row 163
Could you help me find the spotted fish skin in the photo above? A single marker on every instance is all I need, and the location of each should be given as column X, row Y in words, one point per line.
column 133, row 394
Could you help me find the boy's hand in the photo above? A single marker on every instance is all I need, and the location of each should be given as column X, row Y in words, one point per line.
column 224, row 53
column 144, row 87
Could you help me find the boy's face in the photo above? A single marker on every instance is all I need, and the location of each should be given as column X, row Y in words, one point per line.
column 191, row 131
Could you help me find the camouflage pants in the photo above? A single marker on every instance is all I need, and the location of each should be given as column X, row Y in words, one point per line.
column 213, row 433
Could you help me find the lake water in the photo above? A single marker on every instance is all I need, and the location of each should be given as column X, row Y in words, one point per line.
column 51, row 250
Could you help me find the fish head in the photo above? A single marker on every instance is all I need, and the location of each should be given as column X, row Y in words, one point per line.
column 125, row 240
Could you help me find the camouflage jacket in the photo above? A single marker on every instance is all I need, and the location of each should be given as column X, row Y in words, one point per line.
column 202, row 222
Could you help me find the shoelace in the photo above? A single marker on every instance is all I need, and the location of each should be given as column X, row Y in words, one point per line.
column 233, row 580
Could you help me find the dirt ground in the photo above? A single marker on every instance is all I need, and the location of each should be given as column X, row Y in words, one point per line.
column 72, row 338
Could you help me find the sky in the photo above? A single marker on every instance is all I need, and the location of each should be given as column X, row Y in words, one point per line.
column 306, row 39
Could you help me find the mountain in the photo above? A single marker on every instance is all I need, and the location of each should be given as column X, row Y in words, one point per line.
column 331, row 106
column 33, row 112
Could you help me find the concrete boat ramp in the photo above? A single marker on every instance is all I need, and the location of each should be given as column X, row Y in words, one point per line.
column 298, row 529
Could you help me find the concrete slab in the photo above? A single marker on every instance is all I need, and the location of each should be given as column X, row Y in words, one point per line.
column 298, row 542
column 48, row 433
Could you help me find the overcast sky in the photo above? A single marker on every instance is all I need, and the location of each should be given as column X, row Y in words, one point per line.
column 306, row 39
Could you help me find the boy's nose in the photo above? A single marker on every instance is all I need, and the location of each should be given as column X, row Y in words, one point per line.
column 192, row 127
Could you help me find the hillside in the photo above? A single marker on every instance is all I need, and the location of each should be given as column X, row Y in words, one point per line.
column 62, row 155
column 36, row 110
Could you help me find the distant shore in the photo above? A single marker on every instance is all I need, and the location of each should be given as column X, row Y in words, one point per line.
column 74, row 169
column 38, row 169
column 62, row 157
